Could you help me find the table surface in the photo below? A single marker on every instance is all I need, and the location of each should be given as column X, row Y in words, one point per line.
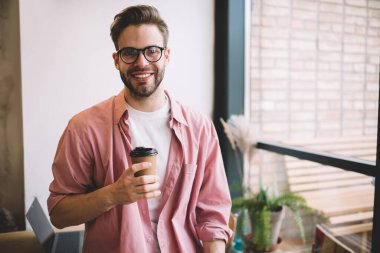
column 20, row 242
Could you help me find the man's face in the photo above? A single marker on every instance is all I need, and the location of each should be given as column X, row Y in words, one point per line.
column 142, row 78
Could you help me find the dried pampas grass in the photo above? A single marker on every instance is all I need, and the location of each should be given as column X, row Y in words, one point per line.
column 239, row 133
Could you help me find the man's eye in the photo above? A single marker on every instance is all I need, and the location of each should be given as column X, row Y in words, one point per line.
column 129, row 52
column 152, row 50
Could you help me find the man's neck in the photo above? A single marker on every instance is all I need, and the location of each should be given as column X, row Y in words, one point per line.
column 146, row 104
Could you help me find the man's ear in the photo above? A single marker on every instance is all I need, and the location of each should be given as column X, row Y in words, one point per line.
column 167, row 55
column 115, row 57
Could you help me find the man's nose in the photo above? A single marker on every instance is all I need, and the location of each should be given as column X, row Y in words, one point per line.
column 141, row 61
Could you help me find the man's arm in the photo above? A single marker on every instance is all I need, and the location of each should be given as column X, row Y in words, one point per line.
column 81, row 208
column 214, row 201
column 216, row 246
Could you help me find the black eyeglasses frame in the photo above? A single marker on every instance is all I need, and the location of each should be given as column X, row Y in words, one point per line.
column 142, row 50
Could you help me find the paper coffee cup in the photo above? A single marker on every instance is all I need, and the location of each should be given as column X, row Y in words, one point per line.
column 142, row 154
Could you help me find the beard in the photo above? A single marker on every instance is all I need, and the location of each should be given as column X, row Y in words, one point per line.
column 142, row 91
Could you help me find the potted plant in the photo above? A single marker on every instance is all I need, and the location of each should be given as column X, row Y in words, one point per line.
column 261, row 216
column 260, row 213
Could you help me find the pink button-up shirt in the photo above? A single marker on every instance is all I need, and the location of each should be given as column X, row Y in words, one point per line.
column 195, row 204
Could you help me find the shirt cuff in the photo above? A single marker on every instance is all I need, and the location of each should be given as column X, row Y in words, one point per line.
column 210, row 232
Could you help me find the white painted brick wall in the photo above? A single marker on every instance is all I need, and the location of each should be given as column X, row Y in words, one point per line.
column 361, row 3
column 374, row 4
column 332, row 1
column 315, row 67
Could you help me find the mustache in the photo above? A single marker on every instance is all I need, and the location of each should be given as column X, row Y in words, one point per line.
column 137, row 69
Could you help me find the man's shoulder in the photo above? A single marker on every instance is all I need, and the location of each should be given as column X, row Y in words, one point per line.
column 193, row 116
column 94, row 115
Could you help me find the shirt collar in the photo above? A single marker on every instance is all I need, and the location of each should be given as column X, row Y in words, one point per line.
column 176, row 111
column 121, row 111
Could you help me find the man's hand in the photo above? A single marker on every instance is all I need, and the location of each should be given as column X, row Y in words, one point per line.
column 128, row 188
column 216, row 246
column 79, row 208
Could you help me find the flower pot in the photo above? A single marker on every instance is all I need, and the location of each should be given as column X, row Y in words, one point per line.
column 265, row 235
column 276, row 222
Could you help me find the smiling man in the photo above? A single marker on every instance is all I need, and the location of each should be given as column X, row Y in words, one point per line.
column 186, row 205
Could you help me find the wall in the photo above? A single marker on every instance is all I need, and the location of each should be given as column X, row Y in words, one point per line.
column 67, row 66
column 11, row 156
column 315, row 67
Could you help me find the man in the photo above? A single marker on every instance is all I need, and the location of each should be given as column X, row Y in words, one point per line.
column 185, row 208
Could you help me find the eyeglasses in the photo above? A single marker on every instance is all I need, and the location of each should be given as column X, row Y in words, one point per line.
column 130, row 54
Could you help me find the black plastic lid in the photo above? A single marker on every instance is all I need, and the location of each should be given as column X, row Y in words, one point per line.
column 142, row 151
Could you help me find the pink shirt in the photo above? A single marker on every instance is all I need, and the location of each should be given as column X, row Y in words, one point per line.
column 195, row 204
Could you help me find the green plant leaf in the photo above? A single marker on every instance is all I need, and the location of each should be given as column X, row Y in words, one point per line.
column 261, row 204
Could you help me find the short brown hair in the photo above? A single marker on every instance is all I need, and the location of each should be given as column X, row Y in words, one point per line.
column 138, row 15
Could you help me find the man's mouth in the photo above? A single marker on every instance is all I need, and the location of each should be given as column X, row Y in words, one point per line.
column 141, row 76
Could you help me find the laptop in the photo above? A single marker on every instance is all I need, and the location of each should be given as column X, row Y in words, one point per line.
column 52, row 241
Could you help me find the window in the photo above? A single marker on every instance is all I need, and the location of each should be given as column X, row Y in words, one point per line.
column 313, row 94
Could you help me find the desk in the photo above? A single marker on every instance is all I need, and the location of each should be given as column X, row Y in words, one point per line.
column 19, row 242
column 26, row 241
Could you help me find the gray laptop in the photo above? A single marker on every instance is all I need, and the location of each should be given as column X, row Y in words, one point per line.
column 51, row 241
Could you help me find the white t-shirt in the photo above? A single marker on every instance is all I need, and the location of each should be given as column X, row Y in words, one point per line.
column 151, row 130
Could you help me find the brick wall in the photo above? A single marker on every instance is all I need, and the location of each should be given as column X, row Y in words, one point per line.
column 314, row 67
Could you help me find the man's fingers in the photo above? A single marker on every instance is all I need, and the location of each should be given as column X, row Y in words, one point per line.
column 148, row 179
column 129, row 188
column 141, row 189
column 149, row 195
column 136, row 181
column 138, row 166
